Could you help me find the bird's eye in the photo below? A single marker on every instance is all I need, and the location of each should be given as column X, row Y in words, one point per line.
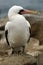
column 20, row 12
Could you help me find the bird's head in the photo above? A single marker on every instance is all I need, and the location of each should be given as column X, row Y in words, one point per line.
column 19, row 10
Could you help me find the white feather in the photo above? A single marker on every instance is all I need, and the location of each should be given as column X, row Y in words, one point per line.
column 18, row 28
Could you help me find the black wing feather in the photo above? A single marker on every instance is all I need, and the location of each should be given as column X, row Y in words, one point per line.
column 30, row 34
column 6, row 35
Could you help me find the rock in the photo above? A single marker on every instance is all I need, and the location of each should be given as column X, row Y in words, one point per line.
column 30, row 48
column 40, row 59
column 18, row 60
column 1, row 59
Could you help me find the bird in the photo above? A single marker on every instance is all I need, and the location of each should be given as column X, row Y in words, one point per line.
column 17, row 29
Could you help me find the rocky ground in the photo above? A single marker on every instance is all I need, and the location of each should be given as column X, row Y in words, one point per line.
column 30, row 56
column 34, row 50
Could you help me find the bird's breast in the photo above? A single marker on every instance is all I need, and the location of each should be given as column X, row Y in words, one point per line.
column 18, row 33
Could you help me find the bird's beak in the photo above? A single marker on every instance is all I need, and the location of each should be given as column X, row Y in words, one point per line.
column 29, row 12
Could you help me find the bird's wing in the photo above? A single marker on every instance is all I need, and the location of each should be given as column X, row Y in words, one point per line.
column 29, row 29
column 29, row 26
column 6, row 32
column 6, row 36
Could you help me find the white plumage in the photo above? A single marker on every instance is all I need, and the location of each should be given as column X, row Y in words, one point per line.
column 18, row 28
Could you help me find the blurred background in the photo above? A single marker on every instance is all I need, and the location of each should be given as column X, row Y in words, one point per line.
column 29, row 4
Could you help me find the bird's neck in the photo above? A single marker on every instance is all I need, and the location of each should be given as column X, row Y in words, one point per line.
column 12, row 17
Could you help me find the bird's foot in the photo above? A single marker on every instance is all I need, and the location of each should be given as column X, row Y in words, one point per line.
column 21, row 50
